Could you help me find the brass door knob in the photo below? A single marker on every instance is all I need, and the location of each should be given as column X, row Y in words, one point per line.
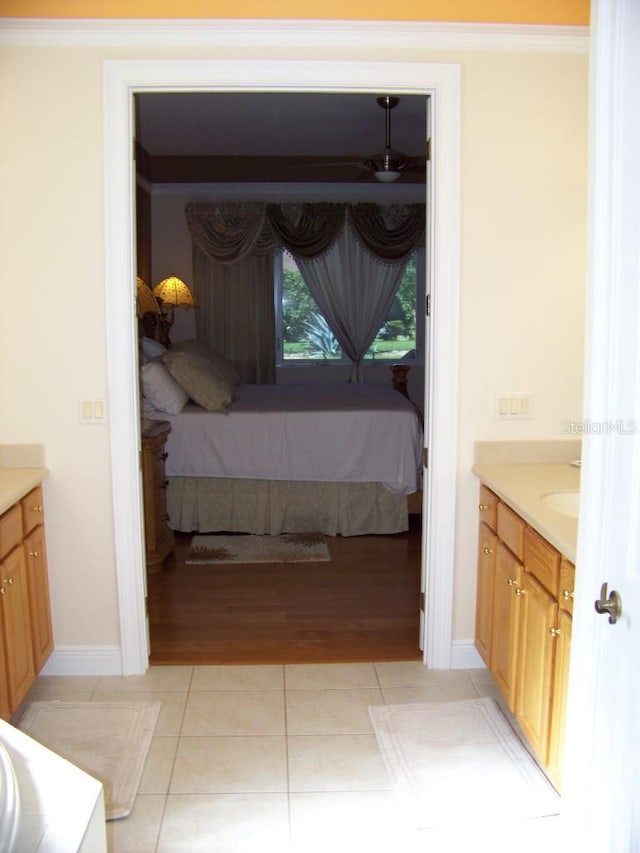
column 610, row 604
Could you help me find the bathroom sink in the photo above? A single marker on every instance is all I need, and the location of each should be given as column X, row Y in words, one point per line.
column 564, row 503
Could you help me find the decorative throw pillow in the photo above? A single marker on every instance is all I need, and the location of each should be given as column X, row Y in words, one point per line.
column 201, row 380
column 224, row 366
column 161, row 389
column 152, row 349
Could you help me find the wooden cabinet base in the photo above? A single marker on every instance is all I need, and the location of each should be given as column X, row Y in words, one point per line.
column 159, row 541
column 524, row 600
column 26, row 636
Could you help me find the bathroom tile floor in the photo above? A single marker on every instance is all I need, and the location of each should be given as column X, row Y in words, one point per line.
column 282, row 758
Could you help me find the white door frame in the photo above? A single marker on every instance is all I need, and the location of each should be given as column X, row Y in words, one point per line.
column 123, row 79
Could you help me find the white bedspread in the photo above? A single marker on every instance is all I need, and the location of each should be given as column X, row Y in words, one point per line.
column 327, row 433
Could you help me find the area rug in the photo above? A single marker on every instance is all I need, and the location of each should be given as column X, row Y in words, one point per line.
column 286, row 548
column 108, row 740
column 454, row 761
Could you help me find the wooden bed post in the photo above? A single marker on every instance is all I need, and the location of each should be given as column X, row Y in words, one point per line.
column 401, row 378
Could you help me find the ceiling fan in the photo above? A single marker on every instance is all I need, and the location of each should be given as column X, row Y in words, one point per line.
column 388, row 166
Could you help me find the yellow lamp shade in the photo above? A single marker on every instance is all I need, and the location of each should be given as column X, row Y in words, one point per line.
column 146, row 303
column 174, row 292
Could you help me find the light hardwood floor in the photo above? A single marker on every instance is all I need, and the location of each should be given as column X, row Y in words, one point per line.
column 363, row 605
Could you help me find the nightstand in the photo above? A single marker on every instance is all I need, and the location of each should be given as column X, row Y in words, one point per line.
column 159, row 541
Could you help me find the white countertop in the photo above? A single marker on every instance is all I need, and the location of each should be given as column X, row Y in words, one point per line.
column 15, row 483
column 521, row 487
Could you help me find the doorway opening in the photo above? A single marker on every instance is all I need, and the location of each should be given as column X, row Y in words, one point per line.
column 224, row 148
column 123, row 81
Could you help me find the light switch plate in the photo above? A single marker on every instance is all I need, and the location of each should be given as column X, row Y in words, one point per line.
column 92, row 412
column 514, row 405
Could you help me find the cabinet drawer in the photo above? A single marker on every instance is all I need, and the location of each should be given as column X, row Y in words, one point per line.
column 542, row 560
column 567, row 585
column 10, row 530
column 511, row 530
column 32, row 509
column 488, row 507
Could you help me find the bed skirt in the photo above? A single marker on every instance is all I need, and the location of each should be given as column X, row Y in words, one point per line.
column 271, row 507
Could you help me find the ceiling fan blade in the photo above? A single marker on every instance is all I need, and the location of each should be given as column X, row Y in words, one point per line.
column 320, row 162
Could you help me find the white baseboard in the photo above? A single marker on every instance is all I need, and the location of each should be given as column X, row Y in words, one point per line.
column 107, row 660
column 464, row 655
column 84, row 660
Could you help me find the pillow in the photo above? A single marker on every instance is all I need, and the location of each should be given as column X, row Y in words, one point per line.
column 161, row 389
column 152, row 349
column 224, row 366
column 201, row 380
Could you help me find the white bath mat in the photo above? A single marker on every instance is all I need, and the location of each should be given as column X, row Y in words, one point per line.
column 108, row 740
column 460, row 761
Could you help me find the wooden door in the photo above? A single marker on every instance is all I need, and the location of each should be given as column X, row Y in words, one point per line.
column 487, row 546
column 39, row 600
column 559, row 698
column 535, row 653
column 16, row 626
column 506, row 615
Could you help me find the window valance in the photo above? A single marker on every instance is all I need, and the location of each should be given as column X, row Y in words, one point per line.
column 227, row 232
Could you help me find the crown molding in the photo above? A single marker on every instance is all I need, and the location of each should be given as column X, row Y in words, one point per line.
column 420, row 35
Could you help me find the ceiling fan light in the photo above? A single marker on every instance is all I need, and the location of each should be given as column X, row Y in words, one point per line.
column 386, row 176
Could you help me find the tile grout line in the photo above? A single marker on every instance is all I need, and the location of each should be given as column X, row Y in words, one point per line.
column 286, row 754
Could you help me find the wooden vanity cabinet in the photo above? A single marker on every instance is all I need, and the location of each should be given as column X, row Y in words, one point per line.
column 35, row 547
column 26, row 639
column 14, row 611
column 487, row 551
column 506, row 621
column 535, row 662
column 523, row 615
column 487, row 542
column 16, row 626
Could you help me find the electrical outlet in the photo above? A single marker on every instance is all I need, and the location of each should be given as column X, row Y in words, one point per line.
column 514, row 405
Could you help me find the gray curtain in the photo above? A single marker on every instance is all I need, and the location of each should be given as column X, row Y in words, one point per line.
column 351, row 256
column 354, row 292
column 236, row 313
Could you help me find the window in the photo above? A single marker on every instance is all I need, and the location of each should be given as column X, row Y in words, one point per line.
column 302, row 333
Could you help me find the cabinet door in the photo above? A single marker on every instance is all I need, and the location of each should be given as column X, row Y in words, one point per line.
column 32, row 509
column 488, row 507
column 536, row 647
column 567, row 585
column 39, row 601
column 16, row 626
column 506, row 614
column 487, row 544
column 559, row 701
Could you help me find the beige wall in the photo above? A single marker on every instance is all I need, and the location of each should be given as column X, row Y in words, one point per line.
column 522, row 271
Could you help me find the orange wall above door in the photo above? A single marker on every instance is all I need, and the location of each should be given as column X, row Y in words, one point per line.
column 568, row 12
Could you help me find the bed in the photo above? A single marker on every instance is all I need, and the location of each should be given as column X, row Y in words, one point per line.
column 339, row 459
